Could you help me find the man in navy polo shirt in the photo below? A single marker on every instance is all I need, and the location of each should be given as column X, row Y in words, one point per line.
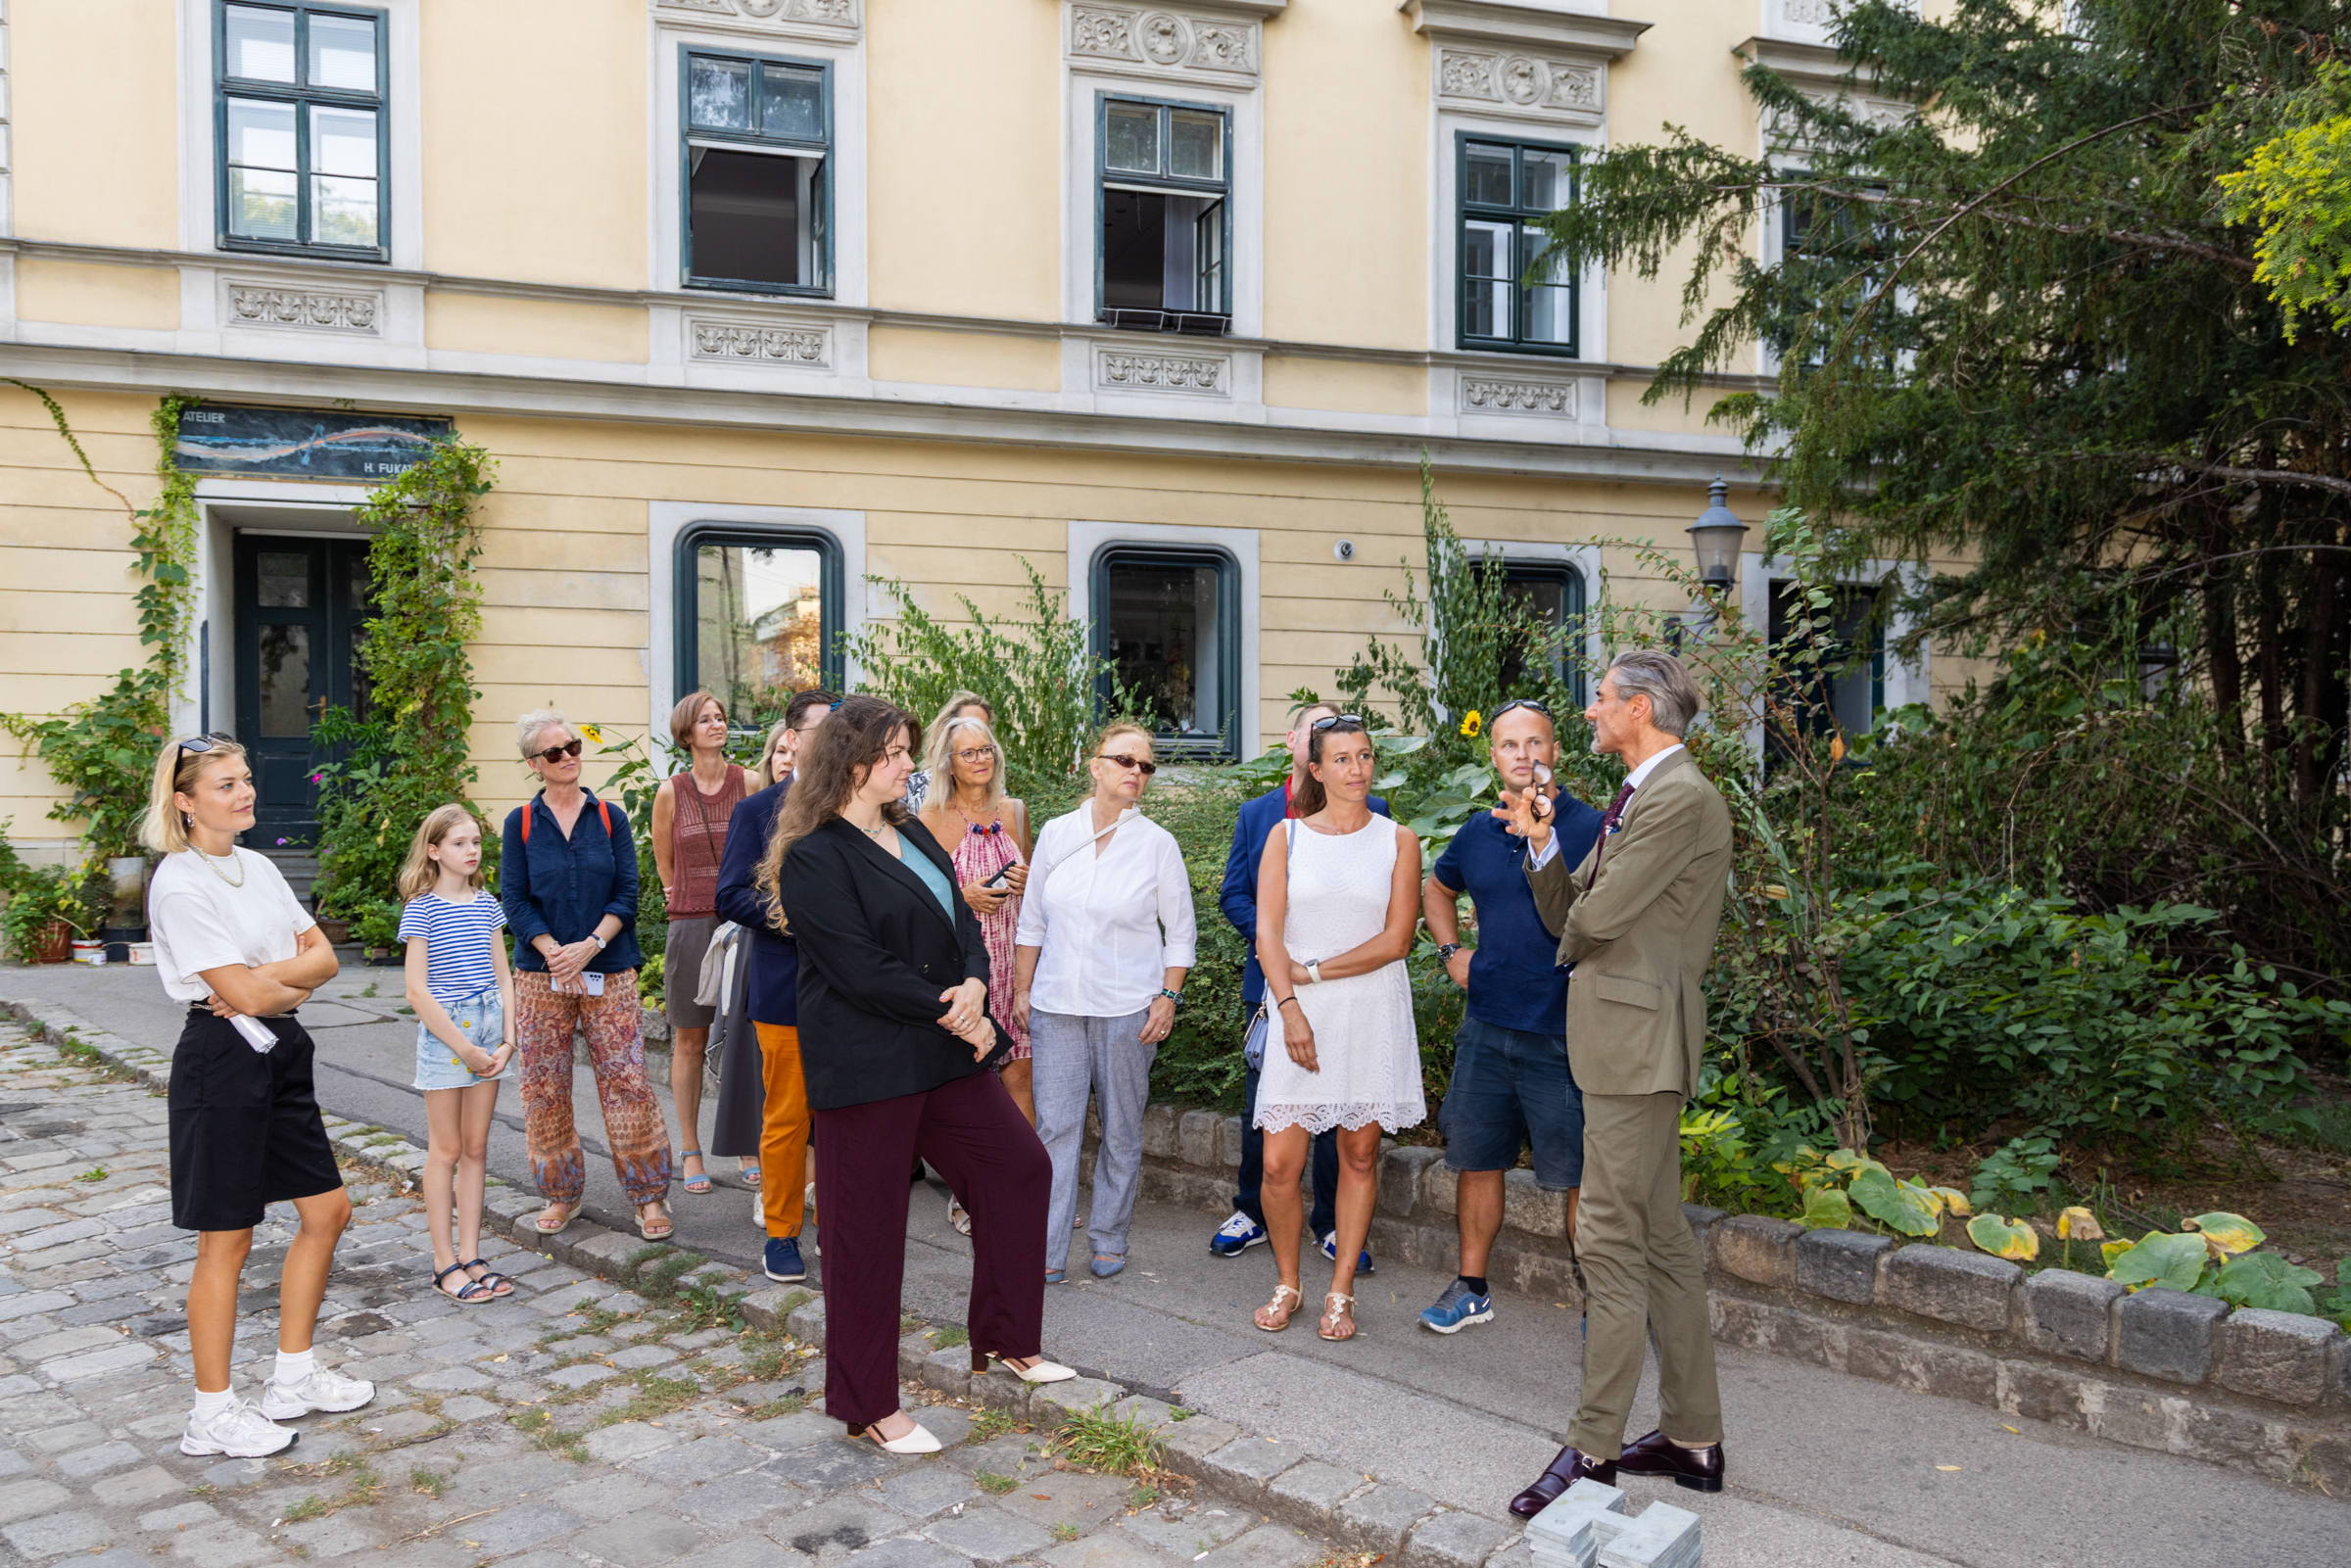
column 1510, row 1083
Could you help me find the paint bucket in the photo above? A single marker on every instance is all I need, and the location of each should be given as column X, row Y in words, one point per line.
column 142, row 953
column 89, row 952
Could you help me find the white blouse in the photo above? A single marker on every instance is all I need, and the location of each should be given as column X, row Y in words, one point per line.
column 1109, row 925
column 207, row 914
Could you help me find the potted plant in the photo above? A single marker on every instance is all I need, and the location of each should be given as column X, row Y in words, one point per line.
column 43, row 917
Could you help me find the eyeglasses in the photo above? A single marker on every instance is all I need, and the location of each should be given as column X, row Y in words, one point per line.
column 1125, row 761
column 555, row 754
column 1518, row 702
column 200, row 745
column 975, row 754
column 1328, row 720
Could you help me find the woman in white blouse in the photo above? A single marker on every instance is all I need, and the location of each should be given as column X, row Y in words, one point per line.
column 1105, row 939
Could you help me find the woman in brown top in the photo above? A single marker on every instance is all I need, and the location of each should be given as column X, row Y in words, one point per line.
column 690, row 837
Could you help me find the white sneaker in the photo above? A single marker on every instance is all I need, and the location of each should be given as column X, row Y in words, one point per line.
column 322, row 1390
column 241, row 1432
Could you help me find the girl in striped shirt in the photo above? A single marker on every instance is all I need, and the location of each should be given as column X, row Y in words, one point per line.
column 464, row 994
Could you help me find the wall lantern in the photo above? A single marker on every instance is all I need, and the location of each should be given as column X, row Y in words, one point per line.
column 1716, row 537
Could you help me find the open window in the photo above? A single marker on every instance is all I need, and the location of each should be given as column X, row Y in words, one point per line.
column 302, row 160
column 758, row 143
column 758, row 616
column 1165, row 220
column 1170, row 622
column 1839, row 688
column 1553, row 593
column 1506, row 190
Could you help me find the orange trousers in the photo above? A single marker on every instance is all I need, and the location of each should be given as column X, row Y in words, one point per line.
column 783, row 1129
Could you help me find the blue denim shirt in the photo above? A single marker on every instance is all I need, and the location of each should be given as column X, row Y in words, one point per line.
column 562, row 887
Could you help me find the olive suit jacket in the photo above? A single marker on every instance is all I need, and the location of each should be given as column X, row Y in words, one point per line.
column 1641, row 932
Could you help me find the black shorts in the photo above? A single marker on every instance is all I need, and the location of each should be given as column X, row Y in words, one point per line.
column 245, row 1126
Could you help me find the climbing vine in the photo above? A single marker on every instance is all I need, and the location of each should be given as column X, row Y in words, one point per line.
column 411, row 751
column 100, row 750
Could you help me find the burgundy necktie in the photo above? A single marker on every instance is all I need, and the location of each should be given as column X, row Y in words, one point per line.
column 1607, row 825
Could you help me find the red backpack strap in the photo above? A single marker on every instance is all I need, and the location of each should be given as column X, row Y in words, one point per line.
column 526, row 821
column 605, row 812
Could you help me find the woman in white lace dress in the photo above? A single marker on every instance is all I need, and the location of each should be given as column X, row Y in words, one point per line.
column 1339, row 895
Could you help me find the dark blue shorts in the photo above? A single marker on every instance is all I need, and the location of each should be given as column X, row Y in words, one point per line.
column 1510, row 1087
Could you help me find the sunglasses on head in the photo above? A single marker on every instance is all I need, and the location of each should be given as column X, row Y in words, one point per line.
column 554, row 754
column 199, row 745
column 1518, row 702
column 1125, row 761
column 1329, row 719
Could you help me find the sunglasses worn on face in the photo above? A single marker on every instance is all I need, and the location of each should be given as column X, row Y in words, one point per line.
column 553, row 754
column 1125, row 761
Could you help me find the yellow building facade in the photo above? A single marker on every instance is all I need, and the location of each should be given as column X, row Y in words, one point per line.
column 754, row 301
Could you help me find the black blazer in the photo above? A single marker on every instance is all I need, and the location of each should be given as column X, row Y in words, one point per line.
column 876, row 950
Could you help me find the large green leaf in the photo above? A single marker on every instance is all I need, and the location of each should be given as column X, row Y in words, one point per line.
column 2005, row 1238
column 1825, row 1209
column 2265, row 1279
column 2160, row 1258
column 1911, row 1210
column 2230, row 1233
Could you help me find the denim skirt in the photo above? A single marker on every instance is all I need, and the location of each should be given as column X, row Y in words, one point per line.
column 482, row 1020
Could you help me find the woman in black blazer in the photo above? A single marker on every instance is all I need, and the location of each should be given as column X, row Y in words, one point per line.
column 895, row 1031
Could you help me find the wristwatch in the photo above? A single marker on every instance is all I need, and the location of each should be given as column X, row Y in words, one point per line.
column 1446, row 950
column 599, row 942
column 1314, row 972
column 1172, row 996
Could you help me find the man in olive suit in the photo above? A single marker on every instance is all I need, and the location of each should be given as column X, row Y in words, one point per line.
column 1637, row 920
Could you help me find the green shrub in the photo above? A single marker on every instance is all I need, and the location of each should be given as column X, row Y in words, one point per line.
column 2019, row 1174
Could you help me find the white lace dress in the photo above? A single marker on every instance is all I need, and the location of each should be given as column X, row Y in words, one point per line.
column 1369, row 1053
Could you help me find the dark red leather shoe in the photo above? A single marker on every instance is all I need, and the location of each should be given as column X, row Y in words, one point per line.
column 1572, row 1465
column 1698, row 1469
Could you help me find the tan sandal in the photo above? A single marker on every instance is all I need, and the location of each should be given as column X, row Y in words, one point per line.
column 1297, row 1299
column 1338, row 1311
column 569, row 1212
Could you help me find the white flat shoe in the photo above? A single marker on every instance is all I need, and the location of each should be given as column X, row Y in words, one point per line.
column 1042, row 1371
column 918, row 1440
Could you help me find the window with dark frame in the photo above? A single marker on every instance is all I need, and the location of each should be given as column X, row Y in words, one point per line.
column 1506, row 190
column 1163, row 232
column 758, row 146
column 1168, row 621
column 758, row 617
column 1841, row 691
column 1824, row 240
column 303, row 157
column 1553, row 592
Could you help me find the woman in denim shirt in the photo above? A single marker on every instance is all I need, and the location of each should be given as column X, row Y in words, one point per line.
column 568, row 881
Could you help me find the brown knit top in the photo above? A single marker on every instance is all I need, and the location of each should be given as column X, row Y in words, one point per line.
column 697, row 839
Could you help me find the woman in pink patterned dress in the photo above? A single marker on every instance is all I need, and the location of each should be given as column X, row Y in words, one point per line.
column 987, row 833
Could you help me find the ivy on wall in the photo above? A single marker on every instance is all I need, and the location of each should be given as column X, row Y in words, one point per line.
column 410, row 751
column 100, row 751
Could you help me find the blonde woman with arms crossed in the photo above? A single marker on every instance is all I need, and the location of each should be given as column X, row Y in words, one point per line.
column 232, row 944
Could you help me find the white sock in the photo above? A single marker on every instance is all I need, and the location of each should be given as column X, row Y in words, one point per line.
column 295, row 1365
column 209, row 1405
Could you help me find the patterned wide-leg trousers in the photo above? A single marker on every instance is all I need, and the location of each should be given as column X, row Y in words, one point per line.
column 632, row 1122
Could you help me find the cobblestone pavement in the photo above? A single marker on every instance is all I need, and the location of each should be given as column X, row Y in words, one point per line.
column 568, row 1424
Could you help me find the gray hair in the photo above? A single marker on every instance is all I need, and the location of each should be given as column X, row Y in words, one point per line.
column 1673, row 701
column 529, row 726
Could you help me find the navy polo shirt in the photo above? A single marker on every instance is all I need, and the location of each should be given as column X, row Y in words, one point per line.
column 1513, row 981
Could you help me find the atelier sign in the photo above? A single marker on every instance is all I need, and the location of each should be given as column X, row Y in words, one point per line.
column 303, row 443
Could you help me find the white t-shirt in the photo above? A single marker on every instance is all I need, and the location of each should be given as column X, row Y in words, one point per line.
column 200, row 920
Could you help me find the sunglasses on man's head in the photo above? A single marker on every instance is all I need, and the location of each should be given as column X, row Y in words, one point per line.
column 554, row 754
column 1329, row 719
column 1125, row 761
column 1518, row 702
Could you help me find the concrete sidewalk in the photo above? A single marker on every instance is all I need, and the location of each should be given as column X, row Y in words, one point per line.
column 1824, row 1468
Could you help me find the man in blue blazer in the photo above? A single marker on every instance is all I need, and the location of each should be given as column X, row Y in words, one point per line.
column 1239, row 899
column 774, row 1007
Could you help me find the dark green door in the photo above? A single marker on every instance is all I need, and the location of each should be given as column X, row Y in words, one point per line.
column 300, row 605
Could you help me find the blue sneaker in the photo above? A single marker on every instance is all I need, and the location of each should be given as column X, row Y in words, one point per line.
column 1330, row 1251
column 1458, row 1308
column 1236, row 1236
column 782, row 1263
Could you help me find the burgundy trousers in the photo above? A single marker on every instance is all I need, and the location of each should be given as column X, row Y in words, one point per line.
column 973, row 1134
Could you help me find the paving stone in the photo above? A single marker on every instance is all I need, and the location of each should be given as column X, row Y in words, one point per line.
column 22, row 1500
column 1242, row 1467
column 1306, row 1494
column 53, row 1534
column 1076, row 1498
column 451, row 1380
column 907, row 1553
column 403, row 1424
column 138, row 1486
column 638, row 1357
column 1201, row 1531
column 1758, row 1250
column 830, row 1465
column 1266, row 1546
column 641, row 1539
column 62, row 1439
column 628, row 1441
column 700, row 1461
column 608, row 1493
column 97, row 1460
column 1048, row 1402
column 580, row 1376
column 335, row 1537
column 924, row 1491
column 735, row 1499
column 1454, row 1541
column 787, row 1432
column 1378, row 1519
column 834, row 1529
column 946, row 1422
column 525, row 1524
column 466, row 1407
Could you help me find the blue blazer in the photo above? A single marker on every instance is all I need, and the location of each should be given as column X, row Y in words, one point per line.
column 1238, row 896
column 775, row 957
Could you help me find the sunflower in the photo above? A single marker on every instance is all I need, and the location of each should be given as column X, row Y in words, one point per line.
column 1473, row 722
column 593, row 733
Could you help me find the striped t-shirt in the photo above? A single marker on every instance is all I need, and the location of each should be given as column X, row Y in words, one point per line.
column 458, row 939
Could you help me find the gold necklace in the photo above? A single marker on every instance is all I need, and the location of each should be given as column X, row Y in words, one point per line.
column 208, row 860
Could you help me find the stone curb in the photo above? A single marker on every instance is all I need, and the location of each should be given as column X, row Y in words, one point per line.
column 1277, row 1479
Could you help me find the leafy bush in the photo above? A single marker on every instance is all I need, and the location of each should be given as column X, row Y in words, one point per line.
column 38, row 897
column 2214, row 1256
column 2018, row 1174
column 1200, row 1061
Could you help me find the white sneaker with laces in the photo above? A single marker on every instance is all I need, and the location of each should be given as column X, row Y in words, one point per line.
column 241, row 1432
column 322, row 1390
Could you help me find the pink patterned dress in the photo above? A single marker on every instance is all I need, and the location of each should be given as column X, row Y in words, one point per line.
column 979, row 853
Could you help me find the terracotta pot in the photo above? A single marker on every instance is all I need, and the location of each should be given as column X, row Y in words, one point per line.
column 338, row 931
column 56, row 944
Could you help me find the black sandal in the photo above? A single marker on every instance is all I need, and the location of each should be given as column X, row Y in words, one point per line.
column 498, row 1284
column 474, row 1293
